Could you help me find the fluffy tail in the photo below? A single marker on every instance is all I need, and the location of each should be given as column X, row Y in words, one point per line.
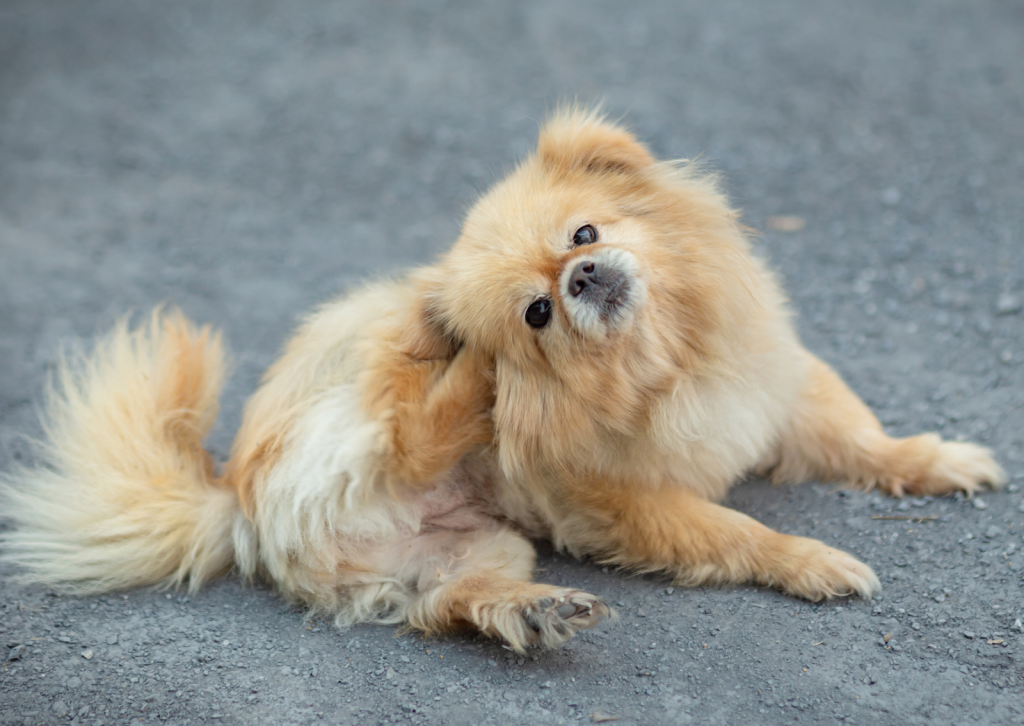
column 125, row 495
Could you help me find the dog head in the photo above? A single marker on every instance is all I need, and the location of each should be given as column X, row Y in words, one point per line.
column 596, row 277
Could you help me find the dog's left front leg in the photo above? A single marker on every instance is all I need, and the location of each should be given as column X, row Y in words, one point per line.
column 671, row 529
column 832, row 435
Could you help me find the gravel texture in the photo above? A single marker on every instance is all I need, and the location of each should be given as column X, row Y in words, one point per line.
column 248, row 159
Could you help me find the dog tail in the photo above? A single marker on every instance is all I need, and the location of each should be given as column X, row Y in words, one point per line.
column 125, row 494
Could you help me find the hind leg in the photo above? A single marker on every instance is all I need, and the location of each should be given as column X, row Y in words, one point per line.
column 482, row 579
column 833, row 436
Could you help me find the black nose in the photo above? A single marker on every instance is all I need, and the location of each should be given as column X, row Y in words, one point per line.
column 583, row 276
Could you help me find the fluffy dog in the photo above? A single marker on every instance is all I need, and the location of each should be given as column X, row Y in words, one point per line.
column 596, row 360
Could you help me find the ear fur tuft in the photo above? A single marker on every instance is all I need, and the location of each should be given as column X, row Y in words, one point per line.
column 580, row 139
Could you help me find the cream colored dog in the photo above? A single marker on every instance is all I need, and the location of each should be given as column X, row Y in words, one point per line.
column 596, row 360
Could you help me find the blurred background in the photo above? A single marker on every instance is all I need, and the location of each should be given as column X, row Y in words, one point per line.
column 246, row 160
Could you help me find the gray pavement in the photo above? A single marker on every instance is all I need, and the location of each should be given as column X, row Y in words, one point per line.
column 248, row 159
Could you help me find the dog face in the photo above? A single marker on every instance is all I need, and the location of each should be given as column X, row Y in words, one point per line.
column 596, row 278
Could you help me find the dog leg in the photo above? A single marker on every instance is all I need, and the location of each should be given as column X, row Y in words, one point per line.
column 672, row 529
column 482, row 579
column 436, row 411
column 520, row 613
column 833, row 436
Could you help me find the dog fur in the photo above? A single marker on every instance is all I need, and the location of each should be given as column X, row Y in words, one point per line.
column 416, row 432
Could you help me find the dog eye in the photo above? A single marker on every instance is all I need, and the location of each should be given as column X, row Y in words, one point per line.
column 539, row 313
column 585, row 235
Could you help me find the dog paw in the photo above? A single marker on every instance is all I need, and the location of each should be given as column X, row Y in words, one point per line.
column 964, row 467
column 556, row 618
column 540, row 614
column 816, row 571
column 954, row 466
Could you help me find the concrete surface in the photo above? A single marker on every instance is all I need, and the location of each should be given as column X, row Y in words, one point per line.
column 248, row 159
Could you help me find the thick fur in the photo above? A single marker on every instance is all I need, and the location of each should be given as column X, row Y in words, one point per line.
column 415, row 432
column 128, row 496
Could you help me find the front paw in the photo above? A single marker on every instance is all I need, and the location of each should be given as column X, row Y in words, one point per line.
column 814, row 571
column 963, row 467
column 942, row 467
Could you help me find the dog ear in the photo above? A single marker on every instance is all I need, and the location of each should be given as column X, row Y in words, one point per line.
column 427, row 335
column 576, row 139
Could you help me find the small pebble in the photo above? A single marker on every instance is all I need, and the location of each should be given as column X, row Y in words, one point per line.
column 891, row 197
column 18, row 652
column 969, row 635
column 993, row 531
column 978, row 503
column 1008, row 304
column 87, row 654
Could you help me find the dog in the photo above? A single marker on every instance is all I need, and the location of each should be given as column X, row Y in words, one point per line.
column 597, row 359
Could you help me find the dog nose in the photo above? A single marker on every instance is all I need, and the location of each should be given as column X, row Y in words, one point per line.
column 583, row 276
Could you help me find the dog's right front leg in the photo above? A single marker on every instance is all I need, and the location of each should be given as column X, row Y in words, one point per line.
column 673, row 530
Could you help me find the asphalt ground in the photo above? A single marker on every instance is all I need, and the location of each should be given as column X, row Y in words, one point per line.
column 246, row 160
